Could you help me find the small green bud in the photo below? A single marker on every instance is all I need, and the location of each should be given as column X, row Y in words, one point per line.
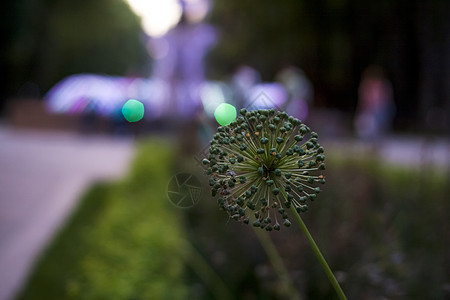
column 276, row 191
column 264, row 140
column 320, row 157
column 288, row 175
column 205, row 161
column 298, row 137
column 261, row 170
column 301, row 163
column 277, row 172
column 280, row 140
column 269, row 182
column 303, row 130
column 287, row 223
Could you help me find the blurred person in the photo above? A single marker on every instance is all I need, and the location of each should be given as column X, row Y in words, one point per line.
column 376, row 109
column 300, row 91
column 182, row 66
column 242, row 80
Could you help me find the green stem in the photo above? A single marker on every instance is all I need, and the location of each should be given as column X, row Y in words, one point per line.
column 204, row 270
column 277, row 263
column 319, row 256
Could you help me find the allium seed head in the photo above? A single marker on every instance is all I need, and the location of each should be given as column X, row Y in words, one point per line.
column 257, row 162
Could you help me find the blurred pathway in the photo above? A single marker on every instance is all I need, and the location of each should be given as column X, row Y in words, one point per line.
column 413, row 152
column 42, row 175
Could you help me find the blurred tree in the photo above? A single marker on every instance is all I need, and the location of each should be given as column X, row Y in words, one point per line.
column 335, row 40
column 43, row 41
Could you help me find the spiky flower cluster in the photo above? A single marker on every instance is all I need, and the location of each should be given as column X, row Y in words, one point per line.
column 258, row 163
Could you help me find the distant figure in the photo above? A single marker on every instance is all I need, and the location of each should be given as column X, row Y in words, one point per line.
column 182, row 68
column 242, row 80
column 172, row 89
column 376, row 109
column 300, row 91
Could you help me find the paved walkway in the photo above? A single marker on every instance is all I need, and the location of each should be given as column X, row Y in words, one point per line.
column 412, row 152
column 42, row 175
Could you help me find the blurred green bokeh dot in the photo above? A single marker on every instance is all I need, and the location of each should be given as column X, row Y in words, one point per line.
column 225, row 114
column 133, row 110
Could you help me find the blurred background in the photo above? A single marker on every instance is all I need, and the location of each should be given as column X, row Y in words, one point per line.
column 84, row 171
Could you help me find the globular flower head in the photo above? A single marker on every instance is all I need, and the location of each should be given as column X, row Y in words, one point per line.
column 262, row 164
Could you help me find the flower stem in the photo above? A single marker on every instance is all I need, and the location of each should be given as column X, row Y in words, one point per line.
column 205, row 272
column 277, row 263
column 319, row 256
